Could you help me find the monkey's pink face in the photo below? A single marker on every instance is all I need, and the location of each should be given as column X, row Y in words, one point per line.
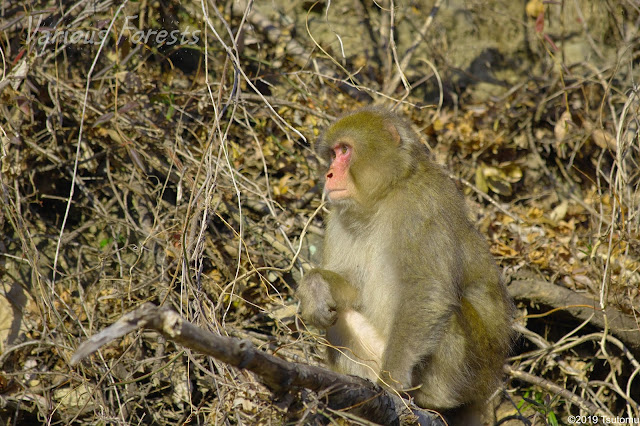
column 339, row 185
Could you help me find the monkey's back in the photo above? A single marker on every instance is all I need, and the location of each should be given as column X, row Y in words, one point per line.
column 428, row 245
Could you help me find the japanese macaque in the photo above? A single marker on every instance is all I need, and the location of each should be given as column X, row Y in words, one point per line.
column 408, row 292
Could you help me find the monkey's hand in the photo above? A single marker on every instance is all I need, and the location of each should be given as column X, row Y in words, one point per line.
column 317, row 305
column 395, row 381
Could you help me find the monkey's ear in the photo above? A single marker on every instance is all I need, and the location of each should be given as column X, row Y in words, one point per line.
column 393, row 132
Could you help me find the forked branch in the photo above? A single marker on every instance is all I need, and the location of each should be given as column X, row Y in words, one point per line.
column 359, row 396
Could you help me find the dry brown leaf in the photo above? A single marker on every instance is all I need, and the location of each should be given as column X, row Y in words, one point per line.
column 6, row 319
column 77, row 400
column 503, row 250
column 560, row 211
column 560, row 129
column 498, row 178
column 534, row 8
column 604, row 139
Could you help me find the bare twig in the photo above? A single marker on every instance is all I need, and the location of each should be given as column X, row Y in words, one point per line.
column 556, row 389
column 392, row 85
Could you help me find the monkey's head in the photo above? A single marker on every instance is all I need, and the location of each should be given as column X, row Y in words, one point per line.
column 370, row 151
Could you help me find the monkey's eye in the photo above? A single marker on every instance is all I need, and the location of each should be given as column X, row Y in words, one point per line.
column 340, row 150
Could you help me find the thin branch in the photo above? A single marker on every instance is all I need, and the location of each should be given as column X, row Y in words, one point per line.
column 578, row 306
column 392, row 85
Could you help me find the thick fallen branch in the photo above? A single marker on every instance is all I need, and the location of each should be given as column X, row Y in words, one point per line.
column 578, row 306
column 359, row 396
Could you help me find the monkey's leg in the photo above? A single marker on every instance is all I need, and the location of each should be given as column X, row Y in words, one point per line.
column 357, row 346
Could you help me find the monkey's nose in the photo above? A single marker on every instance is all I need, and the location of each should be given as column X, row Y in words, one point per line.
column 329, row 175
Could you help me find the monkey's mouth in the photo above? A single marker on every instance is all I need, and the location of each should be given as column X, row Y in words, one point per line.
column 337, row 194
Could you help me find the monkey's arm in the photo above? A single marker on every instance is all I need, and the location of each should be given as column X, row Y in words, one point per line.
column 428, row 279
column 418, row 332
column 322, row 293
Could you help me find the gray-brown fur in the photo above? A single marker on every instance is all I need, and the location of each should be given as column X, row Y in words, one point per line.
column 403, row 263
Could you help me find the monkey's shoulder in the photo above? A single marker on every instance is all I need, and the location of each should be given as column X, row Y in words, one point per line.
column 433, row 199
